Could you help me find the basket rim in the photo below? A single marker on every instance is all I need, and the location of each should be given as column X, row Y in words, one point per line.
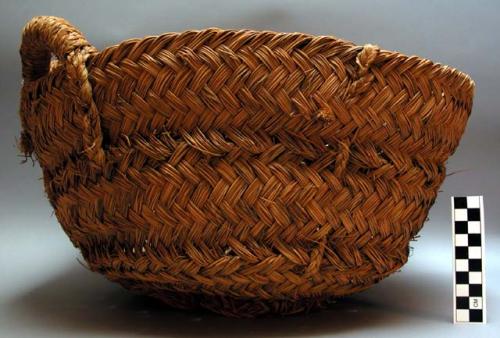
column 462, row 77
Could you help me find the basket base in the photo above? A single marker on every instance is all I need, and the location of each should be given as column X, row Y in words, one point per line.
column 236, row 307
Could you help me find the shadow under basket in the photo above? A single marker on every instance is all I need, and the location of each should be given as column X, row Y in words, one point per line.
column 240, row 171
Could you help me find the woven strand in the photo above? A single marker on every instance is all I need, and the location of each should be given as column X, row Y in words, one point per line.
column 243, row 172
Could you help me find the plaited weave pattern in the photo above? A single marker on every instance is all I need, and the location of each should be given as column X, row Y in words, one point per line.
column 244, row 172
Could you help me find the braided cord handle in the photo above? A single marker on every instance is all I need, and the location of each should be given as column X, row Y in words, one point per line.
column 46, row 36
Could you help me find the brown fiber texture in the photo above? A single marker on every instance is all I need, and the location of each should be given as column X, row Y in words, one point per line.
column 244, row 172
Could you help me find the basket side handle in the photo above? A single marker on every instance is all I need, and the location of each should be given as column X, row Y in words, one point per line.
column 44, row 37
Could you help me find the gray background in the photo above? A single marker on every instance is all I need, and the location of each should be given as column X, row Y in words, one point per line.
column 44, row 291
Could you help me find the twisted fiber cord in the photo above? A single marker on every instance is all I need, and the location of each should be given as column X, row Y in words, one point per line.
column 244, row 172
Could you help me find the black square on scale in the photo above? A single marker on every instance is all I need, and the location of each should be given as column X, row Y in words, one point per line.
column 461, row 252
column 460, row 202
column 476, row 316
column 474, row 239
column 473, row 214
column 475, row 264
column 475, row 290
column 461, row 227
column 462, row 302
column 462, row 277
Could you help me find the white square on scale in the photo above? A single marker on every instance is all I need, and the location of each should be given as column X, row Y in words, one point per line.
column 460, row 214
column 462, row 290
column 474, row 227
column 462, row 240
column 462, row 315
column 462, row 264
column 475, row 252
column 475, row 277
column 472, row 201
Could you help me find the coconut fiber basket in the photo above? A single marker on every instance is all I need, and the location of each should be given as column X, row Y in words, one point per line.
column 240, row 171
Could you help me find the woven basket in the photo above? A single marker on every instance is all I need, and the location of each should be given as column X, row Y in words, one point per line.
column 240, row 171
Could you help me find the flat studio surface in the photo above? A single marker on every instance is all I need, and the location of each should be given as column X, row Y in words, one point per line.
column 46, row 292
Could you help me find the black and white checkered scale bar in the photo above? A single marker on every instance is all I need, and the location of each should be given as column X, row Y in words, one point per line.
column 468, row 239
